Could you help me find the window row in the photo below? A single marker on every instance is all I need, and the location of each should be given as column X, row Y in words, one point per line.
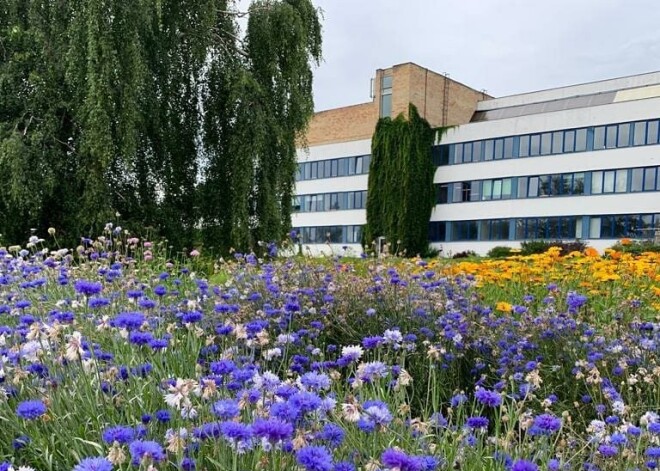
column 638, row 133
column 330, row 168
column 330, row 201
column 639, row 226
column 330, row 234
column 627, row 180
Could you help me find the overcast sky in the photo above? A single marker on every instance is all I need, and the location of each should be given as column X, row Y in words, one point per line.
column 502, row 46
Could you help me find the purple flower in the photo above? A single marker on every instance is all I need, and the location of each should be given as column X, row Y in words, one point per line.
column 119, row 433
column 524, row 465
column 238, row 435
column 128, row 320
column 88, row 288
column 163, row 415
column 30, row 410
column 272, row 430
column 314, row 458
column 145, row 450
column 226, row 409
column 333, row 434
column 477, row 422
column 94, row 464
column 545, row 424
column 653, row 452
column 608, row 451
column 315, row 381
column 488, row 398
column 395, row 459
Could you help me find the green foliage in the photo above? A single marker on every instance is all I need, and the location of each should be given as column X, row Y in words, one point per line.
column 541, row 246
column 400, row 194
column 465, row 254
column 500, row 251
column 159, row 110
column 637, row 247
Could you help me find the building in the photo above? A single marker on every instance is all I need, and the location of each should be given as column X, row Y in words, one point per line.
column 576, row 162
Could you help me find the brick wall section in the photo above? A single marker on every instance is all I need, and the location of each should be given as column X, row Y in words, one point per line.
column 350, row 123
column 410, row 84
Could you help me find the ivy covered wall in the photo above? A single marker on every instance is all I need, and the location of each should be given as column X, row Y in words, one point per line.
column 400, row 194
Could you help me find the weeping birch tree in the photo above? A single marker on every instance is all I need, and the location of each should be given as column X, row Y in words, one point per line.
column 171, row 113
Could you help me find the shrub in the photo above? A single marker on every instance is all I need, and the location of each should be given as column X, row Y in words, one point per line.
column 465, row 254
column 541, row 246
column 637, row 247
column 500, row 252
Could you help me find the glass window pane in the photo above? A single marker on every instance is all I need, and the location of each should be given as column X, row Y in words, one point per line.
column 594, row 228
column 546, row 143
column 358, row 165
column 443, row 194
column 608, row 181
column 467, row 152
column 623, row 139
column 506, row 189
column 497, row 189
column 557, row 142
column 578, row 184
column 477, row 151
column 596, row 183
column 508, row 147
column 386, row 82
column 366, row 163
column 484, row 230
column 569, row 141
column 489, row 147
column 522, row 187
column 499, row 149
column 386, row 106
column 457, row 195
column 458, row 154
column 533, row 187
column 520, row 229
column 307, row 171
column 487, row 189
column 652, row 132
column 621, row 181
column 523, row 150
column 544, row 186
column 333, row 168
column 599, row 138
column 610, row 138
column 637, row 181
column 580, row 140
column 475, row 194
column 649, row 179
column 639, row 133
column 535, row 145
column 555, row 185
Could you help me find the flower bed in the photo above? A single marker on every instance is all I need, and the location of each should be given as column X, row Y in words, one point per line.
column 113, row 358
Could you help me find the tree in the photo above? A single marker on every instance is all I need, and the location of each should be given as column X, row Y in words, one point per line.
column 401, row 196
column 160, row 110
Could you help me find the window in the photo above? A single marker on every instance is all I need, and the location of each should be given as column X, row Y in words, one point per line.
column 639, row 133
column 386, row 96
column 533, row 187
column 608, row 181
column 499, row 149
column 578, row 184
column 611, row 137
column 489, row 146
column 596, row 183
column 569, row 141
column 623, row 138
column 443, row 193
column 637, row 179
column 557, row 142
column 467, row 152
column 522, row 187
column 477, row 151
column 523, row 149
column 497, row 189
column 649, row 179
column 487, row 190
column 652, row 132
column 506, row 189
column 535, row 145
column 508, row 148
column 546, row 143
column 466, row 191
column 621, row 184
column 580, row 140
column 458, row 153
column 599, row 138
column 475, row 193
column 457, row 192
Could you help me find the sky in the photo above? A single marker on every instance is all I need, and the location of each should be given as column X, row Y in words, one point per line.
column 502, row 46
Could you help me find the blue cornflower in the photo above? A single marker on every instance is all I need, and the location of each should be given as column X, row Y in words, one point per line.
column 477, row 422
column 226, row 409
column 145, row 450
column 119, row 433
column 140, row 338
column 222, row 367
column 208, row 430
column 545, row 424
column 333, row 434
column 188, row 464
column 190, row 317
column 94, row 464
column 20, row 442
column 344, row 466
column 98, row 302
column 315, row 381
column 163, row 415
column 488, row 398
column 128, row 320
column 524, row 465
column 30, row 410
column 314, row 458
column 395, row 459
column 272, row 430
column 88, row 288
column 238, row 435
column 608, row 451
column 458, row 399
column 653, row 452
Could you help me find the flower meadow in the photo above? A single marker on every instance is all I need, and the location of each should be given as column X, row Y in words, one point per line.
column 113, row 357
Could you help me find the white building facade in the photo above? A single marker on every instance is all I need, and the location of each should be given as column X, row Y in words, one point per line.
column 579, row 162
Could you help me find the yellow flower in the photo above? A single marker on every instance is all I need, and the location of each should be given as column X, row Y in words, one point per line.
column 503, row 306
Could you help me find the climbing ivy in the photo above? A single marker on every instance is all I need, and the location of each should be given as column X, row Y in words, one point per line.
column 400, row 193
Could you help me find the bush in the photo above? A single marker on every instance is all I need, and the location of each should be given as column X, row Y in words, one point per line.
column 465, row 254
column 500, row 252
column 541, row 246
column 637, row 247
